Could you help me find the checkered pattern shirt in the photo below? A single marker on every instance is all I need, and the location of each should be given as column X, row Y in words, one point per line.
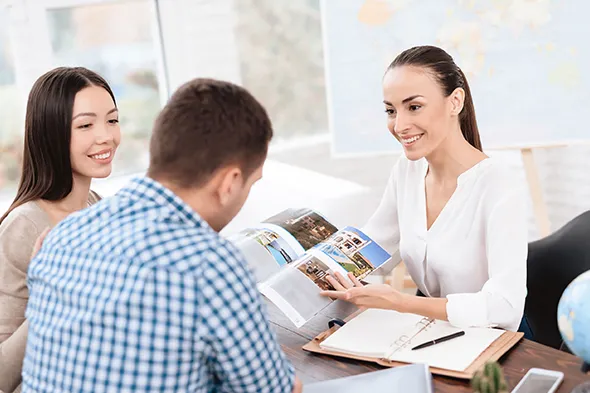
column 139, row 294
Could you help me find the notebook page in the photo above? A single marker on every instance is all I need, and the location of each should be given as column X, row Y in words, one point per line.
column 456, row 354
column 372, row 333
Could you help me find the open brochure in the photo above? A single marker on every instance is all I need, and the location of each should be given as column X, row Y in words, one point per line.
column 292, row 252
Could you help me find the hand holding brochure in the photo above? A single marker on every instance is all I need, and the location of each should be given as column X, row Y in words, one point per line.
column 292, row 252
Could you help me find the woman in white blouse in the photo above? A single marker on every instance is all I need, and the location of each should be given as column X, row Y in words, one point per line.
column 457, row 216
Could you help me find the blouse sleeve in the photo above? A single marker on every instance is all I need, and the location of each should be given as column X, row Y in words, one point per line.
column 500, row 303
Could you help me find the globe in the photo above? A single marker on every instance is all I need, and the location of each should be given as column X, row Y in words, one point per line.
column 573, row 317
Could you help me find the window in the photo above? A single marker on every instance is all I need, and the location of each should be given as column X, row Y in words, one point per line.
column 281, row 62
column 115, row 39
column 10, row 112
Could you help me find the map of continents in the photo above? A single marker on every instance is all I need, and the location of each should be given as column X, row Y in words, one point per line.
column 521, row 57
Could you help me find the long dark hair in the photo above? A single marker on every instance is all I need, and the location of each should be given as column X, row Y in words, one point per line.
column 450, row 77
column 47, row 170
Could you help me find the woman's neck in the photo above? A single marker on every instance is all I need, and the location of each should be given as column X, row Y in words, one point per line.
column 454, row 156
column 76, row 200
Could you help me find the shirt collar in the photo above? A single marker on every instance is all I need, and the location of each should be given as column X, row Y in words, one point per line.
column 470, row 173
column 147, row 189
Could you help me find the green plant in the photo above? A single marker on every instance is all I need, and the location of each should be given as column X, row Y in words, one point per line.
column 489, row 379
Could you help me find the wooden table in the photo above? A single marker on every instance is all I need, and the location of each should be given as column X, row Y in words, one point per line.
column 313, row 367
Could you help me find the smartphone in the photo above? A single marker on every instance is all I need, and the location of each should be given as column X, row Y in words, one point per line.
column 538, row 380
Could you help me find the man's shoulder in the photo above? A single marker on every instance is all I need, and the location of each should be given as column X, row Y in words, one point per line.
column 208, row 248
column 146, row 232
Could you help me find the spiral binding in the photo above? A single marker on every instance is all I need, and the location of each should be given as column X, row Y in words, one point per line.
column 404, row 340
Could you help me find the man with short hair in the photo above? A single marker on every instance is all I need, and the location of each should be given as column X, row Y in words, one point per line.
column 139, row 292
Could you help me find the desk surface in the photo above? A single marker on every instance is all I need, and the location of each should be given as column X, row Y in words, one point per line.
column 312, row 367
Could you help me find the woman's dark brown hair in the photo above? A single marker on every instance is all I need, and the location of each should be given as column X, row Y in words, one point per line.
column 450, row 77
column 47, row 170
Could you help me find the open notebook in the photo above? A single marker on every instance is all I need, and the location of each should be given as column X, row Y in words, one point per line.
column 387, row 337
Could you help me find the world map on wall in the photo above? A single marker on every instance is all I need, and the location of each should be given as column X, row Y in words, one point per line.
column 523, row 59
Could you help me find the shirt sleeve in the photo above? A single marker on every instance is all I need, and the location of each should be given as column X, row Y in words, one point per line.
column 500, row 303
column 246, row 356
column 383, row 225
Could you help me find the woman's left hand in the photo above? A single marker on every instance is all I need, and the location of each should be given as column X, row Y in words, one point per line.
column 366, row 296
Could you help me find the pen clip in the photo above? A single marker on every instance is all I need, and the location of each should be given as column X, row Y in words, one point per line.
column 335, row 321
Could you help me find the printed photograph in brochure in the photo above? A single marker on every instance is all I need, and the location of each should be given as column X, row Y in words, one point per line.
column 305, row 225
column 316, row 271
column 274, row 244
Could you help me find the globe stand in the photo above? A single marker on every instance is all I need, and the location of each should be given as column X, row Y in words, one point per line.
column 584, row 387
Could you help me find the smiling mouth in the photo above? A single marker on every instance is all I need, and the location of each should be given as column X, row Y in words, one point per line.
column 102, row 156
column 407, row 141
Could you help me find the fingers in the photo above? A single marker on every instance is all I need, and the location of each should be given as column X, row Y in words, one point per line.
column 345, row 283
column 39, row 242
column 335, row 283
column 335, row 294
column 346, row 294
column 339, row 282
column 357, row 293
column 355, row 280
column 43, row 234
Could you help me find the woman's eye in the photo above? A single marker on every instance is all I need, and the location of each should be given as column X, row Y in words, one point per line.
column 85, row 126
column 414, row 108
column 390, row 111
column 114, row 121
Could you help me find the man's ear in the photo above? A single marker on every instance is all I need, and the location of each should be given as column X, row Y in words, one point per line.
column 230, row 181
column 457, row 98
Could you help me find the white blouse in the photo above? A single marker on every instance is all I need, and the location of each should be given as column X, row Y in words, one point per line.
column 475, row 252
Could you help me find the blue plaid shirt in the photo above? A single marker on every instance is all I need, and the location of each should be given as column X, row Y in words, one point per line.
column 139, row 294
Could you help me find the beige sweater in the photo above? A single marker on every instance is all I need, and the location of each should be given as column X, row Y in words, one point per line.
column 18, row 233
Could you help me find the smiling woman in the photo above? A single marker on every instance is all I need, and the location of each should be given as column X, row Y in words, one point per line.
column 456, row 216
column 95, row 132
column 71, row 135
column 423, row 116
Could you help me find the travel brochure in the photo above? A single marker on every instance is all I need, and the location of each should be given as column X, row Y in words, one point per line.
column 291, row 254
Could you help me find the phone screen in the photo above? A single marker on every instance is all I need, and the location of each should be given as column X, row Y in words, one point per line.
column 536, row 383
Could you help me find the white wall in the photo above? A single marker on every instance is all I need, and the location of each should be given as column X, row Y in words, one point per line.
column 564, row 173
column 565, row 177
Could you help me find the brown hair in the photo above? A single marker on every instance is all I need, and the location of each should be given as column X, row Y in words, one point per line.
column 450, row 77
column 46, row 169
column 206, row 125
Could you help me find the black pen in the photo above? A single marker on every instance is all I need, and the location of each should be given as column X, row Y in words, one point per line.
column 439, row 340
